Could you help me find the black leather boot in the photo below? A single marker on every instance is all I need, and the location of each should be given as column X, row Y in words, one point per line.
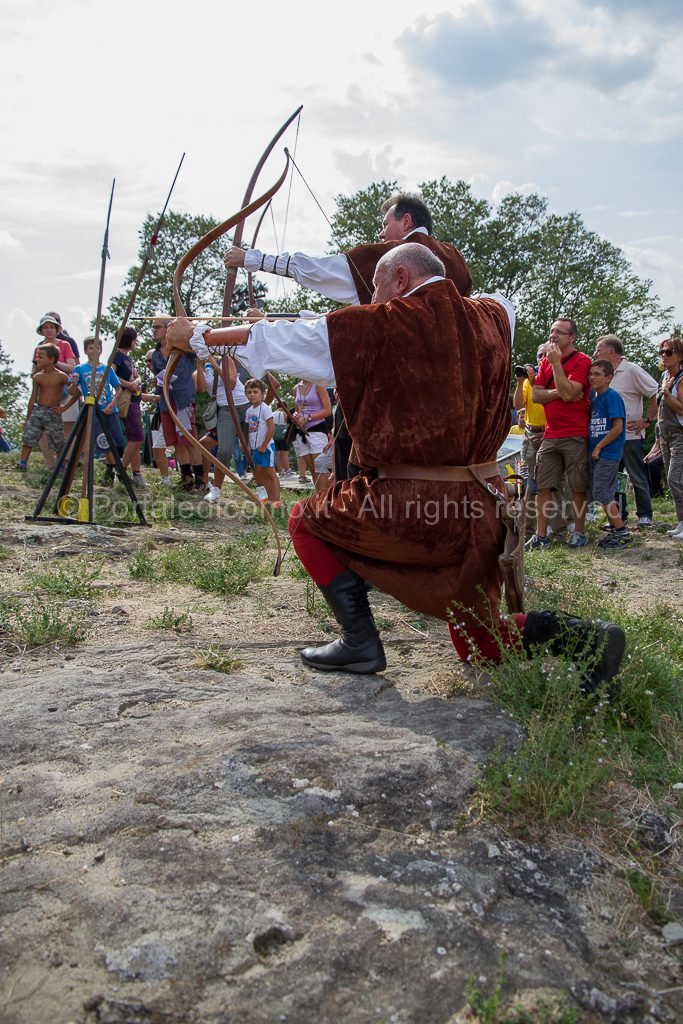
column 359, row 648
column 602, row 642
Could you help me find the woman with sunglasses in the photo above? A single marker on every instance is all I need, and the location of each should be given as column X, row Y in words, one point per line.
column 670, row 423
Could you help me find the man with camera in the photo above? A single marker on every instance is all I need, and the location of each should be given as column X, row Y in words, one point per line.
column 532, row 418
column 563, row 390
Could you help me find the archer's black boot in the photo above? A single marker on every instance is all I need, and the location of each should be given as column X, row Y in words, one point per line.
column 359, row 648
column 601, row 642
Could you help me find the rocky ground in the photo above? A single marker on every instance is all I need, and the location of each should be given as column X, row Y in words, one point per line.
column 180, row 844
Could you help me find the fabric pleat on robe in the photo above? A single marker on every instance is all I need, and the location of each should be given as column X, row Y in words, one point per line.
column 424, row 381
column 364, row 258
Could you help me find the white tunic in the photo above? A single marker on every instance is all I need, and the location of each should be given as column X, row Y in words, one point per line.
column 301, row 348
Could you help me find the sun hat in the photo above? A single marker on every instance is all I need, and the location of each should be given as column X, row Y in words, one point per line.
column 47, row 319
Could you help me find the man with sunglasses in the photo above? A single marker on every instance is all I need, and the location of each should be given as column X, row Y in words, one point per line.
column 562, row 389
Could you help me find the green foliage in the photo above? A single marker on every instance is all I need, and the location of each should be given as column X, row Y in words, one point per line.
column 176, row 622
column 13, row 398
column 577, row 747
column 549, row 264
column 358, row 219
column 645, row 888
column 34, row 623
column 5, row 551
column 226, row 568
column 214, row 658
column 69, row 579
column 494, row 1008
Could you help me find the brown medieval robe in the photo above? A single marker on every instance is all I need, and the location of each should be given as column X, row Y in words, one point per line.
column 364, row 258
column 424, row 381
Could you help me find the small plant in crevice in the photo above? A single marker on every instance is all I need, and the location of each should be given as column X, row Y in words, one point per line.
column 218, row 660
column 175, row 622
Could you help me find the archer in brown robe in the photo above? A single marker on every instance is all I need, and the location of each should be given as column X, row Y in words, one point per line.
column 424, row 381
column 423, row 374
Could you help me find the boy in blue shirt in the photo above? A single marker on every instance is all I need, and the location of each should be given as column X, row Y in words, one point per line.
column 606, row 437
column 106, row 409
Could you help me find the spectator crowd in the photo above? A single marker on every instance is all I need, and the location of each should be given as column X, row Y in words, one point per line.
column 584, row 423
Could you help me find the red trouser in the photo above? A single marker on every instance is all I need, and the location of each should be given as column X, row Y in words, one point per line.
column 322, row 565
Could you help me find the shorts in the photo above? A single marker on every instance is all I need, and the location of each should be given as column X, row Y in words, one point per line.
column 312, row 444
column 42, row 420
column 529, row 454
column 560, row 455
column 71, row 414
column 264, row 459
column 323, row 462
column 281, row 446
column 171, row 435
column 114, row 424
column 603, row 480
column 158, row 440
column 133, row 423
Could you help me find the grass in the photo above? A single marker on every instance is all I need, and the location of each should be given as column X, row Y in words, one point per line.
column 5, row 551
column 644, row 886
column 225, row 568
column 317, row 607
column 496, row 1008
column 218, row 660
column 34, row 623
column 69, row 579
column 577, row 745
column 170, row 621
column 586, row 760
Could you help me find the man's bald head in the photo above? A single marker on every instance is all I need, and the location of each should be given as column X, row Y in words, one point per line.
column 404, row 268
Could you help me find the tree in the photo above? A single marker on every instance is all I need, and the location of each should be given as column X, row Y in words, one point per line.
column 548, row 264
column 358, row 219
column 202, row 285
column 13, row 397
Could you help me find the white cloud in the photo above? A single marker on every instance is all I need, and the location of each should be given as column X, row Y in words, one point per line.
column 8, row 241
column 506, row 188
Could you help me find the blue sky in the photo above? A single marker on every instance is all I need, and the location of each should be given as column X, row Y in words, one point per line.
column 579, row 101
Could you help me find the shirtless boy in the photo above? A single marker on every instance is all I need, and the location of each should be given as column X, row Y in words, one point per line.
column 44, row 411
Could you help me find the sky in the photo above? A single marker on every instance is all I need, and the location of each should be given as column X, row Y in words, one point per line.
column 580, row 101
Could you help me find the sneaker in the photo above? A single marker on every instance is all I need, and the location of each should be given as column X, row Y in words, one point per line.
column 607, row 528
column 672, row 533
column 22, row 467
column 577, row 540
column 166, row 481
column 537, row 543
column 303, row 480
column 139, row 480
column 592, row 514
column 645, row 521
column 616, row 539
column 212, row 495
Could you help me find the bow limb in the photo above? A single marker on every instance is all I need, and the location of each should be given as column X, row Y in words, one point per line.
column 237, row 238
column 173, row 361
column 221, row 229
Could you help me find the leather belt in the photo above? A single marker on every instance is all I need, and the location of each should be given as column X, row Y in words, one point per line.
column 445, row 473
column 533, row 430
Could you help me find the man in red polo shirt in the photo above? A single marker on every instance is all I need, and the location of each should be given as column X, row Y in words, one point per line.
column 562, row 389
